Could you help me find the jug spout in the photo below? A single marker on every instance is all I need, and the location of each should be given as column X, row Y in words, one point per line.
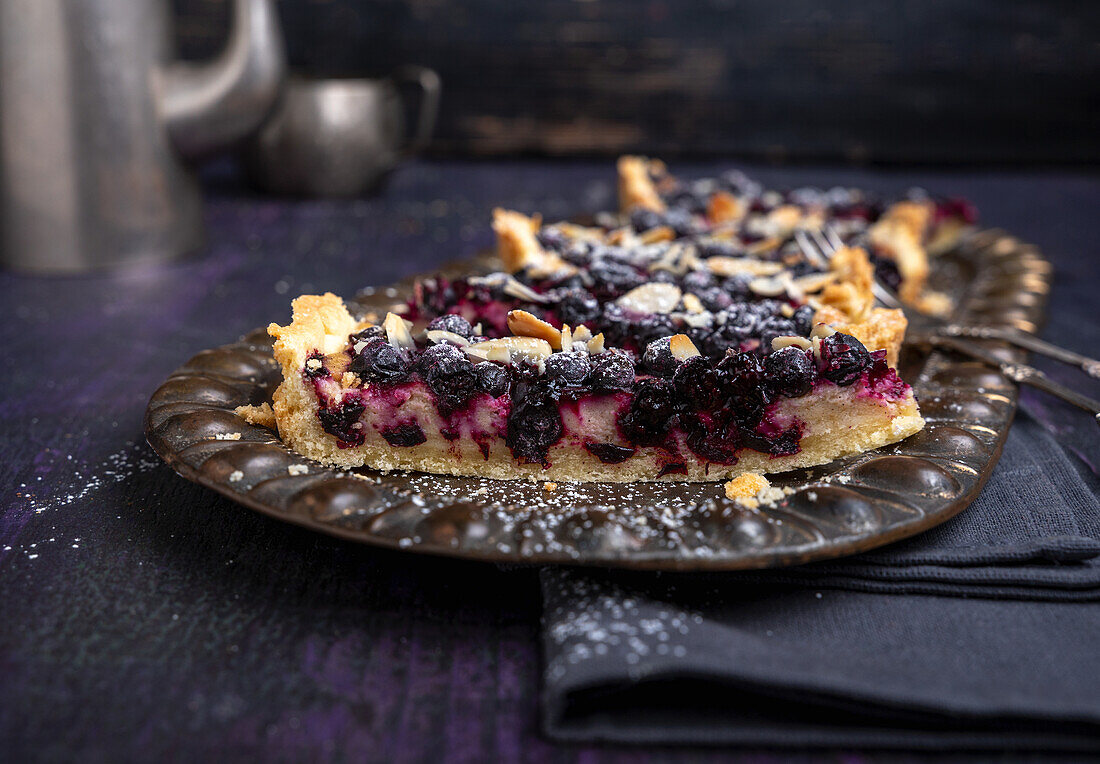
column 210, row 106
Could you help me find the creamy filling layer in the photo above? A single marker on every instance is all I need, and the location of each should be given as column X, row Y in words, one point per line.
column 688, row 416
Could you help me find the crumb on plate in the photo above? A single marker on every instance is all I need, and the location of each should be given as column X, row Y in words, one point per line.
column 262, row 415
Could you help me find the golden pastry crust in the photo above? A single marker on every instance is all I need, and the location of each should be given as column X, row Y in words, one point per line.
column 899, row 235
column 849, row 306
column 262, row 415
column 852, row 294
column 746, row 486
column 636, row 188
column 319, row 324
column 519, row 249
column 884, row 329
column 516, row 242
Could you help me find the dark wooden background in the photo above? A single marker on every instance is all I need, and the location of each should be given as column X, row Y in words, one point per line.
column 961, row 81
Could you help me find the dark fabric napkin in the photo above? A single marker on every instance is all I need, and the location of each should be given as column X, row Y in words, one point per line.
column 982, row 633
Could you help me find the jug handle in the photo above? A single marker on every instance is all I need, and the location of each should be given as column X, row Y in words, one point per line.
column 430, row 88
column 209, row 106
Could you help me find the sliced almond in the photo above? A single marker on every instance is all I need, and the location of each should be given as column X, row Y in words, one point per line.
column 731, row 266
column 582, row 334
column 659, row 233
column 510, row 348
column 623, row 237
column 815, row 282
column 438, row 335
column 677, row 259
column 566, row 338
column 486, row 351
column 813, row 221
column 666, row 262
column 521, row 291
column 698, row 320
column 783, row 219
column 595, row 345
column 693, row 304
column 802, row 343
column 768, row 287
column 523, row 324
column 682, row 347
column 822, row 330
column 790, row 287
column 397, row 331
column 550, row 266
column 654, row 297
column 764, row 245
column 786, row 310
column 574, row 231
column 689, row 260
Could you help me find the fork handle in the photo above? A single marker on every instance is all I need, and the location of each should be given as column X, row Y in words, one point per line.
column 1030, row 342
column 1018, row 372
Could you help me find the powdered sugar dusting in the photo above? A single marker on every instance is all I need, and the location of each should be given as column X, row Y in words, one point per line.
column 590, row 617
column 81, row 481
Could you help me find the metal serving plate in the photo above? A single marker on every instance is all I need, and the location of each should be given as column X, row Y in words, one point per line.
column 841, row 508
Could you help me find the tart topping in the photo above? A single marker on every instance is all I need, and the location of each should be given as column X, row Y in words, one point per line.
column 790, row 371
column 438, row 336
column 658, row 358
column 523, row 324
column 506, row 349
column 693, row 304
column 568, row 368
column 566, row 338
column 582, row 334
column 452, row 323
column 768, row 287
column 380, row 362
column 731, row 266
column 785, row 342
column 492, row 379
column 654, row 297
column 814, row 282
column 610, row 372
column 657, row 234
column 576, row 306
column 841, row 358
column 723, row 207
column 595, row 345
column 509, row 286
column 449, row 375
column 397, row 331
column 682, row 347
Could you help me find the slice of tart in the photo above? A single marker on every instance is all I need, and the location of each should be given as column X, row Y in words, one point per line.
column 552, row 403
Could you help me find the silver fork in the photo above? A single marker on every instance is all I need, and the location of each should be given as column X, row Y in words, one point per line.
column 932, row 331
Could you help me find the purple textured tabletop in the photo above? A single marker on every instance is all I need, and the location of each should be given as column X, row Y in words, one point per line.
column 144, row 617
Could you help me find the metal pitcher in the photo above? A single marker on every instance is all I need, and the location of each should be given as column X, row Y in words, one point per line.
column 96, row 121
